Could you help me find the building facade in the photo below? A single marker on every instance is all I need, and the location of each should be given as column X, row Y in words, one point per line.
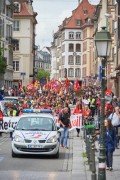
column 71, row 53
column 6, row 21
column 106, row 17
column 24, row 43
column 43, row 59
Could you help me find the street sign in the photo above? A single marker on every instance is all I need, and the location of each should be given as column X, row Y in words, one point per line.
column 22, row 73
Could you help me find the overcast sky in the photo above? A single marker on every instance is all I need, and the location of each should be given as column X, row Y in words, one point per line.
column 51, row 13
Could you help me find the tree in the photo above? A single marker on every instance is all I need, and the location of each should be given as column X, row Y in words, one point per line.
column 3, row 64
column 42, row 74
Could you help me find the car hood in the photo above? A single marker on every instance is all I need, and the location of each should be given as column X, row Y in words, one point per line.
column 35, row 134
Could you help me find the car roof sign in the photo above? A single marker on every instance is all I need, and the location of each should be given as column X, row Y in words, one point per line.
column 37, row 111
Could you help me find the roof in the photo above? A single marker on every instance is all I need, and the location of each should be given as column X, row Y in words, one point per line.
column 25, row 10
column 82, row 12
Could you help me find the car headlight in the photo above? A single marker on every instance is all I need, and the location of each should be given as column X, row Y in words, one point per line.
column 52, row 139
column 18, row 139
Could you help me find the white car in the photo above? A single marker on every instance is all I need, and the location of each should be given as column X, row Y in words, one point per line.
column 14, row 99
column 36, row 134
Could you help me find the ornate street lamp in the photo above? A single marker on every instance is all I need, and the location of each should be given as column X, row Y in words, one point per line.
column 103, row 43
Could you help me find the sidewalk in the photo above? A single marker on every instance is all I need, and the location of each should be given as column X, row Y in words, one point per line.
column 80, row 167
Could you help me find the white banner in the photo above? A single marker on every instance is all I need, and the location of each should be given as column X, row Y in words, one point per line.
column 10, row 122
column 75, row 121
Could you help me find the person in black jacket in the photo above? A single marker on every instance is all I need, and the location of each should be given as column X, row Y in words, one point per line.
column 64, row 118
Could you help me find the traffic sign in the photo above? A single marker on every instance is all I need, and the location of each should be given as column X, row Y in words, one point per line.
column 22, row 73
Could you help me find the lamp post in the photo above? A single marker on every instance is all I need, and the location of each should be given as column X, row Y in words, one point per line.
column 103, row 44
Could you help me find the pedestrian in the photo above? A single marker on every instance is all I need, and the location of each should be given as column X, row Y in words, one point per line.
column 115, row 119
column 1, row 120
column 87, row 114
column 11, row 113
column 64, row 119
column 78, row 110
column 110, row 143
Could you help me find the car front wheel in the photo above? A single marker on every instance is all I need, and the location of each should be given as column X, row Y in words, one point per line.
column 13, row 154
column 56, row 155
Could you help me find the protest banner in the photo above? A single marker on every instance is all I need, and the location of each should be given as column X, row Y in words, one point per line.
column 10, row 122
column 75, row 121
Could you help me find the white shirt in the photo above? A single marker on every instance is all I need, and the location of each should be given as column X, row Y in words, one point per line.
column 115, row 119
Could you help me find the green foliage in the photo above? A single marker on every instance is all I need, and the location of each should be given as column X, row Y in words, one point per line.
column 3, row 64
column 42, row 74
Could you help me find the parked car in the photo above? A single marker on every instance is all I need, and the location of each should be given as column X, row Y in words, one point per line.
column 11, row 98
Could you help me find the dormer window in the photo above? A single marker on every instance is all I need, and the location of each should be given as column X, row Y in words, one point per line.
column 85, row 11
column 78, row 22
column 17, row 7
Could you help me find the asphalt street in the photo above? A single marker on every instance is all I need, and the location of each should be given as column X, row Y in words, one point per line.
column 30, row 167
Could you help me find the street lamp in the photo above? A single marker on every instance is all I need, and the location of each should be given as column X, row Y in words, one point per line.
column 103, row 43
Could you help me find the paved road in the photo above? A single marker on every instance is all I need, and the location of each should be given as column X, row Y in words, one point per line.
column 31, row 167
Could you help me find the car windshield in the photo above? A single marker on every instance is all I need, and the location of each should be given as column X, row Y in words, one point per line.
column 36, row 123
column 9, row 99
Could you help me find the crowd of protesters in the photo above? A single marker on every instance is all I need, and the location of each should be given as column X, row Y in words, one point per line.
column 59, row 98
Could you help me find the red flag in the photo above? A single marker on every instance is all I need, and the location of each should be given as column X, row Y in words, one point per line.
column 76, row 85
column 108, row 92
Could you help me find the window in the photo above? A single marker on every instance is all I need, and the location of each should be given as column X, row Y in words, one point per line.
column 70, row 60
column 1, row 27
column 16, row 45
column 71, row 35
column 78, row 60
column 78, row 22
column 16, row 25
column 71, row 72
column 78, row 35
column 16, row 65
column 85, row 11
column 17, row 7
column 77, row 72
column 71, row 48
column 9, row 33
column 78, row 47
